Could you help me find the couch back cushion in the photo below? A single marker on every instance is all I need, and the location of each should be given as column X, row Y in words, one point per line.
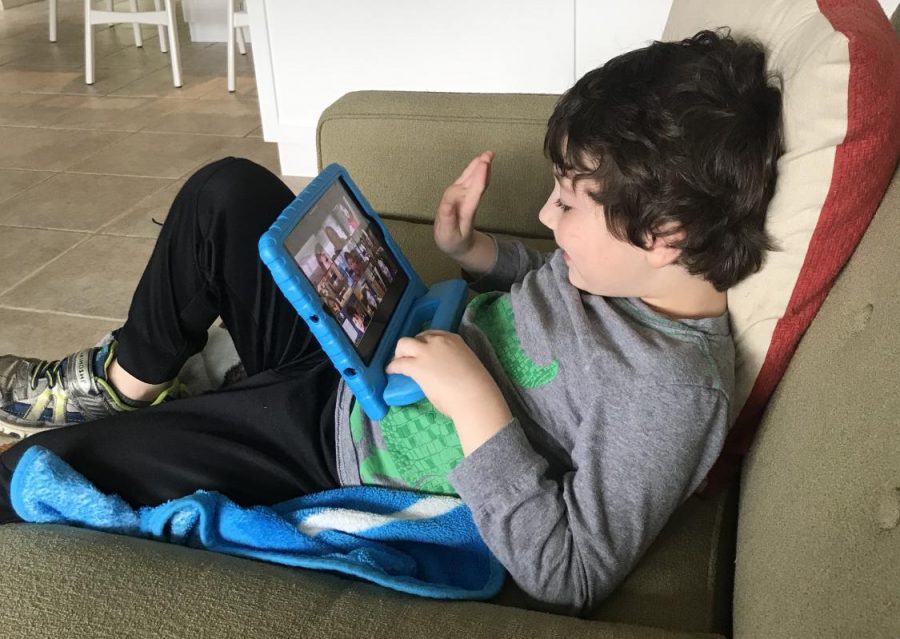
column 840, row 62
column 404, row 148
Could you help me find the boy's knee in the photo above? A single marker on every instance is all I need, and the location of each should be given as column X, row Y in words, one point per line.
column 235, row 189
column 231, row 179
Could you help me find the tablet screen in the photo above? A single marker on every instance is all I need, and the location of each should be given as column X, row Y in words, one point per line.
column 342, row 253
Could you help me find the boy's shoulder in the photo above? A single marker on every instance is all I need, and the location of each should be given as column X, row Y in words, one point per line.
column 635, row 345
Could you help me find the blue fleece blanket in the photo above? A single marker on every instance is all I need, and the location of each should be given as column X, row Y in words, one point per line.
column 412, row 542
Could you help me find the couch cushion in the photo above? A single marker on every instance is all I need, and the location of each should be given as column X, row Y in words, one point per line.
column 74, row 583
column 404, row 148
column 841, row 66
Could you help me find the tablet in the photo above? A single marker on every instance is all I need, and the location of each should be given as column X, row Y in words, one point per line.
column 335, row 261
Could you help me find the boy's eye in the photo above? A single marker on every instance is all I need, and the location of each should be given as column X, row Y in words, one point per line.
column 562, row 206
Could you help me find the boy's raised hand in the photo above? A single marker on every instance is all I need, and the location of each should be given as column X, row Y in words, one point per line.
column 453, row 223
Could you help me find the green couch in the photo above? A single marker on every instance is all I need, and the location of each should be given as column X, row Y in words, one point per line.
column 805, row 544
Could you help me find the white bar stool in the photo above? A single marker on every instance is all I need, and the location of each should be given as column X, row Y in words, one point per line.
column 138, row 41
column 164, row 18
column 237, row 20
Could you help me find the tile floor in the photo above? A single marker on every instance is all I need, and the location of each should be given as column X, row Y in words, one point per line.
column 84, row 170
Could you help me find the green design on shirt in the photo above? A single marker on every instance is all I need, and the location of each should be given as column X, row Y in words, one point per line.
column 493, row 314
column 422, row 445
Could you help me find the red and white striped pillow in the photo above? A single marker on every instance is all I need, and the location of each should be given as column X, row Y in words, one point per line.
column 840, row 61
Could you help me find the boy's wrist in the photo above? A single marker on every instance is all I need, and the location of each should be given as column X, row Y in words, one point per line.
column 481, row 257
column 474, row 428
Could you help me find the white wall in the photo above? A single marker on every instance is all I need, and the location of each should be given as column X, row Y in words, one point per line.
column 308, row 53
column 607, row 29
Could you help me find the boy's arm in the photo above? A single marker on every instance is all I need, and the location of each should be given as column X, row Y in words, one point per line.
column 569, row 543
column 496, row 264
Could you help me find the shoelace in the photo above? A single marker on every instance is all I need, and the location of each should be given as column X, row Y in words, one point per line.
column 49, row 369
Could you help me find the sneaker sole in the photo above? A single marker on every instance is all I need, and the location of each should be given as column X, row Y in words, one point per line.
column 8, row 426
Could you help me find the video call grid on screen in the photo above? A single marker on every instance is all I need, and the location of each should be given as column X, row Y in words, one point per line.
column 342, row 254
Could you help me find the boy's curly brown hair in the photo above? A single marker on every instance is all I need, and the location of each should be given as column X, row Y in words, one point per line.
column 682, row 132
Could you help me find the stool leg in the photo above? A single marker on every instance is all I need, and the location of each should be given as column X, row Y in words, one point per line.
column 52, row 7
column 88, row 44
column 138, row 38
column 231, row 81
column 163, row 47
column 110, row 6
column 242, row 46
column 173, row 43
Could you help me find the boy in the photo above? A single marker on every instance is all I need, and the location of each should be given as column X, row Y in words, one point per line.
column 586, row 394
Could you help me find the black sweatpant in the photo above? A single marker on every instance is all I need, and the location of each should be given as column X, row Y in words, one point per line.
column 264, row 440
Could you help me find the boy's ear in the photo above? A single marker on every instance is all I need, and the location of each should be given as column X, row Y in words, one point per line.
column 663, row 251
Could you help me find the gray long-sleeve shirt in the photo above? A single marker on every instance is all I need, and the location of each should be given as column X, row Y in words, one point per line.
column 618, row 414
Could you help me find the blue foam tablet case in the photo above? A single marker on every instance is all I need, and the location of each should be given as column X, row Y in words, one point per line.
column 441, row 306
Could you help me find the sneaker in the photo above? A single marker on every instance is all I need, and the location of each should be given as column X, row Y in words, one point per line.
column 38, row 395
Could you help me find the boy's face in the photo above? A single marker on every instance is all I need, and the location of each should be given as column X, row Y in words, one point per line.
column 598, row 262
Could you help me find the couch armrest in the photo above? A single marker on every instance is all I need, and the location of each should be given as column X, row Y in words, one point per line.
column 404, row 148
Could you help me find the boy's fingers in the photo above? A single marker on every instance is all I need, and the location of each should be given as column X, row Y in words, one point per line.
column 433, row 331
column 407, row 347
column 470, row 193
column 482, row 176
column 487, row 156
column 395, row 367
column 413, row 346
column 467, row 172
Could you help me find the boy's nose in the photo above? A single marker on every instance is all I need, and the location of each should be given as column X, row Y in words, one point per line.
column 546, row 215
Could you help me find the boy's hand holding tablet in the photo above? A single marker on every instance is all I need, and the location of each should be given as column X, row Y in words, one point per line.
column 455, row 382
